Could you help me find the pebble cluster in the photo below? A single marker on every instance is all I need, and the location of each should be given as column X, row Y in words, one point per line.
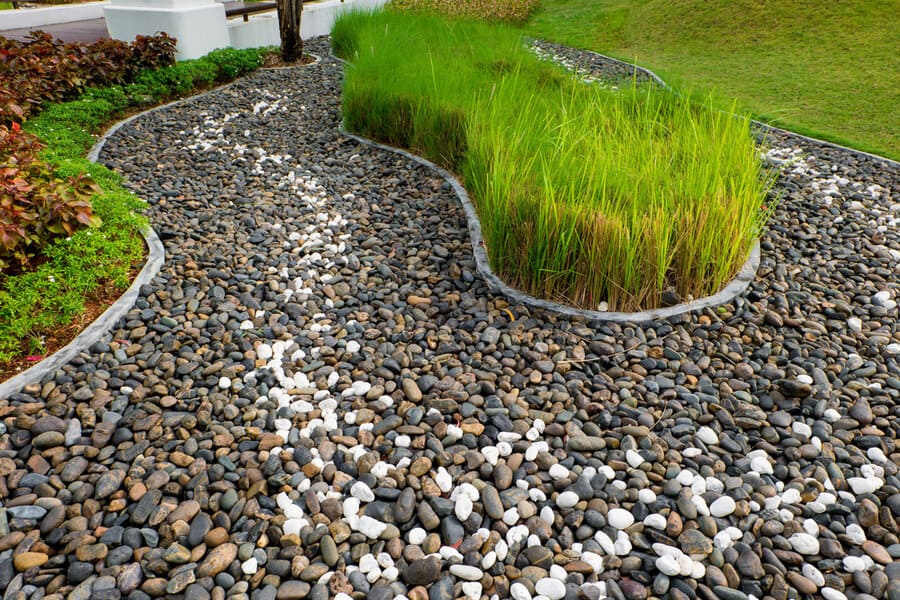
column 318, row 397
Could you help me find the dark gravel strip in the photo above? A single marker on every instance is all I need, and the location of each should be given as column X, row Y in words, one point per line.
column 317, row 395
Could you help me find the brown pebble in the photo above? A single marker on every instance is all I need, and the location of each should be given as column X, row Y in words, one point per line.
column 216, row 537
column 29, row 560
column 803, row 585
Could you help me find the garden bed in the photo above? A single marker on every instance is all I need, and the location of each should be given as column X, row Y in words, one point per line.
column 620, row 198
column 72, row 272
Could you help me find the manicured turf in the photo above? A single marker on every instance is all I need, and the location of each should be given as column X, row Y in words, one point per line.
column 831, row 70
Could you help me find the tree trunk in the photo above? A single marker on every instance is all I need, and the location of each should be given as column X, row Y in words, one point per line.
column 289, row 12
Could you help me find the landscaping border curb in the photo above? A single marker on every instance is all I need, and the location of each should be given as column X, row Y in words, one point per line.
column 156, row 256
column 483, row 265
column 99, row 327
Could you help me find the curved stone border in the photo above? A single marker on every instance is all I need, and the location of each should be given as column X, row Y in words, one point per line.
column 156, row 256
column 316, row 59
column 100, row 327
column 482, row 263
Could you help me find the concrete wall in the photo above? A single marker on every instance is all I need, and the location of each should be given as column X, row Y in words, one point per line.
column 198, row 25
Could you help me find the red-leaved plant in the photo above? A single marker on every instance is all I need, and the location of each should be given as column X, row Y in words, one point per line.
column 35, row 205
column 41, row 69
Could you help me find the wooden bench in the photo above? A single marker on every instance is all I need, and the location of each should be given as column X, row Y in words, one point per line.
column 245, row 9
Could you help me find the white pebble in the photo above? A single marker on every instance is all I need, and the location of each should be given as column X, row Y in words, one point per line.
column 647, row 496
column 554, row 589
column 489, row 560
column 761, row 465
column 416, row 536
column 874, row 453
column 791, row 496
column 567, row 499
column 722, row 506
column 250, row 566
column 264, row 351
column 463, row 507
column 443, row 480
column 370, row 527
column 558, row 471
column 853, row 564
column 801, row 429
column 855, row 534
column 491, row 454
column 605, row 542
column 547, row 515
column 864, row 485
column 620, row 518
column 685, row 478
column 707, row 436
column 668, row 565
column 622, row 547
column 361, row 491
column 656, row 521
column 607, row 471
column 698, row 570
column 593, row 559
column 511, row 516
column 224, row 383
column 832, row 594
column 351, row 507
column 472, row 590
column 367, row 563
column 634, row 458
column 722, row 540
column 804, row 543
column 518, row 591
column 466, row 572
column 502, row 550
column 813, row 574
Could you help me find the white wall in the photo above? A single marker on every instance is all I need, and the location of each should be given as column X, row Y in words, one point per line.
column 198, row 25
column 23, row 18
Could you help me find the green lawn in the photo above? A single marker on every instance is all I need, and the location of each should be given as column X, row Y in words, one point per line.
column 831, row 70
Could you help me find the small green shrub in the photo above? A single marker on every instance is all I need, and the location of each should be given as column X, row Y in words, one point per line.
column 36, row 205
column 233, row 63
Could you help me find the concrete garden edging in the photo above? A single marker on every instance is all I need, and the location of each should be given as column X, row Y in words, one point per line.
column 102, row 325
column 156, row 255
column 482, row 263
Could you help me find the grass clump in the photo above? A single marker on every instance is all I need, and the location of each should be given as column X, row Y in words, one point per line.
column 509, row 11
column 97, row 258
column 585, row 194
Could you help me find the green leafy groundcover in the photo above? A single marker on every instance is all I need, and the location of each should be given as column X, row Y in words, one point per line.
column 585, row 193
column 54, row 294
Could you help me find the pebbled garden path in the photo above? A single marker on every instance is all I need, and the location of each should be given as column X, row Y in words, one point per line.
column 318, row 395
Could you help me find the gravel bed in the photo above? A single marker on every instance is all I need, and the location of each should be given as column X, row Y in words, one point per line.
column 317, row 397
